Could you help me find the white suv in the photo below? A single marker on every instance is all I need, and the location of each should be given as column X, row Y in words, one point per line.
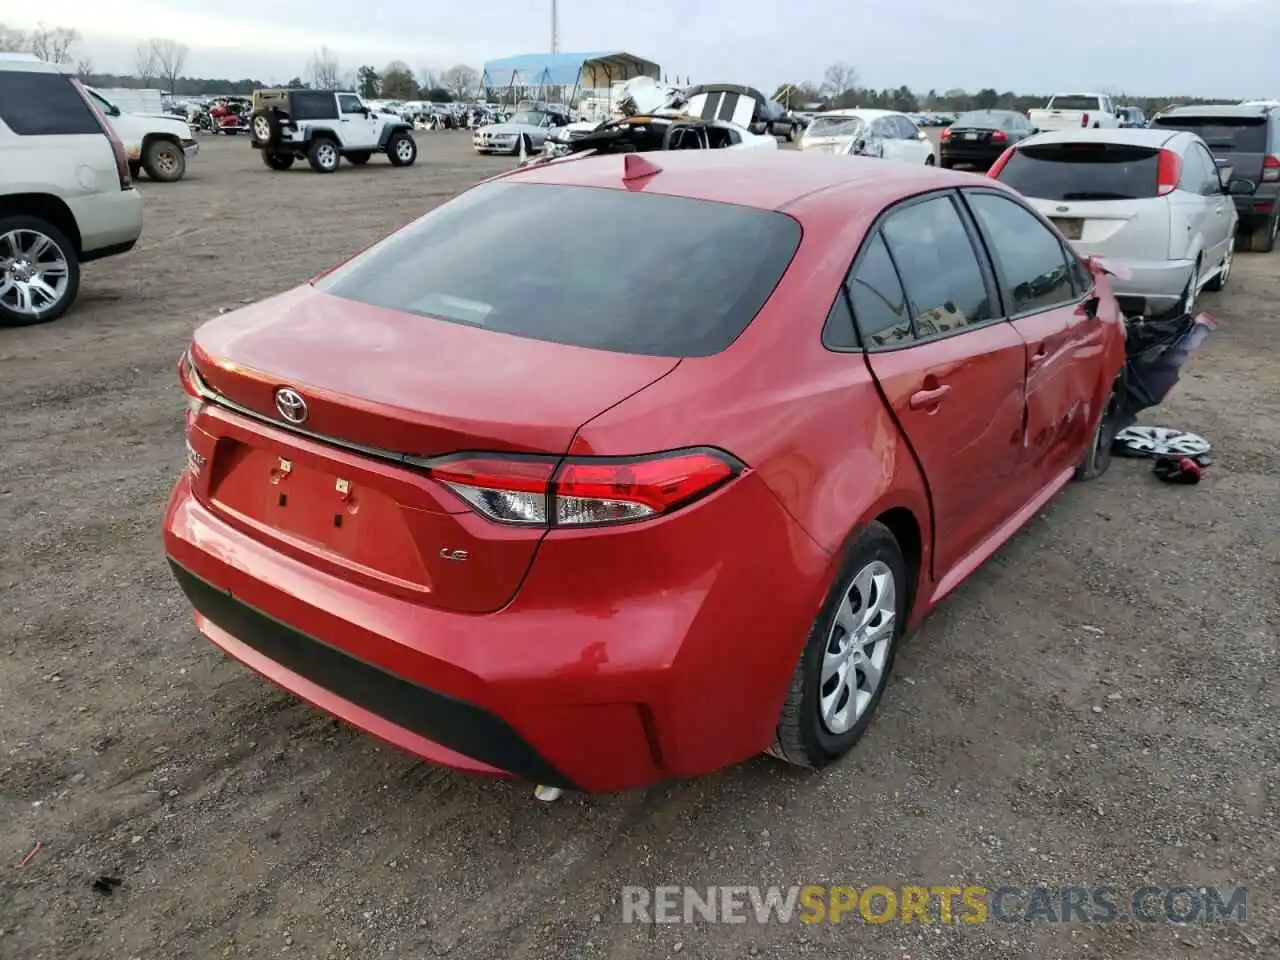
column 66, row 196
column 324, row 126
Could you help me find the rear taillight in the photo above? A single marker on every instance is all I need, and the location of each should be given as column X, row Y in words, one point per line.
column 1168, row 172
column 946, row 134
column 1084, row 120
column 191, row 386
column 999, row 165
column 583, row 491
column 117, row 148
column 999, row 136
column 1270, row 169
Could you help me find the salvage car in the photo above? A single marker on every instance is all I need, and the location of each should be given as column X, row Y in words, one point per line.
column 526, row 131
column 882, row 134
column 665, row 130
column 658, row 499
column 1153, row 199
column 744, row 106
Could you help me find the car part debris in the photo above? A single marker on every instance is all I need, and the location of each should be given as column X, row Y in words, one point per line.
column 1181, row 470
column 1142, row 441
column 547, row 794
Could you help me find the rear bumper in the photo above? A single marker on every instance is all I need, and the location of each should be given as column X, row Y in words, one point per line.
column 1159, row 281
column 983, row 155
column 616, row 665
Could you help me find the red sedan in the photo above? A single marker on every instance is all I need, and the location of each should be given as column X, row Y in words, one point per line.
column 616, row 470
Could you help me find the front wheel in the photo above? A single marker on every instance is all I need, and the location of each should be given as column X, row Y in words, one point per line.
column 401, row 149
column 1097, row 459
column 848, row 655
column 39, row 272
column 164, row 161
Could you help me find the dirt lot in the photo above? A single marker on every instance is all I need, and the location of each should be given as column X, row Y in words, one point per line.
column 1096, row 706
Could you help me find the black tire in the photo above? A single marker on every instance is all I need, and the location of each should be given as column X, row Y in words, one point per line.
column 323, row 155
column 164, row 161
column 9, row 315
column 277, row 161
column 929, row 161
column 803, row 737
column 360, row 157
column 135, row 169
column 1097, row 459
column 1263, row 239
column 402, row 150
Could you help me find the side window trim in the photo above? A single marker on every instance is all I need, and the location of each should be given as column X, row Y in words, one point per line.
column 1006, row 291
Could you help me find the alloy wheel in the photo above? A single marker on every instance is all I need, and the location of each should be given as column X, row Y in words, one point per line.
column 857, row 649
column 262, row 129
column 404, row 149
column 34, row 272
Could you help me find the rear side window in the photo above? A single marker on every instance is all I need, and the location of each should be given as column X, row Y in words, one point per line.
column 1234, row 134
column 314, row 105
column 938, row 266
column 44, row 104
column 609, row 269
column 1074, row 102
column 1030, row 257
column 1083, row 171
column 879, row 305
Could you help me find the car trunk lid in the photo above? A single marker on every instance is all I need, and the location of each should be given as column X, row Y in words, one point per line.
column 344, row 482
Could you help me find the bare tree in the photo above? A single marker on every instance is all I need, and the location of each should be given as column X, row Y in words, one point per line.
column 52, row 44
column 170, row 56
column 84, row 69
column 430, row 78
column 460, row 80
column 12, row 41
column 144, row 63
column 324, row 69
column 839, row 79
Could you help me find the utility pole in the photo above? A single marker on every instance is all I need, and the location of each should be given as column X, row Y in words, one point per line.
column 555, row 26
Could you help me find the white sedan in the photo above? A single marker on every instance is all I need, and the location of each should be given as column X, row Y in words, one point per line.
column 886, row 134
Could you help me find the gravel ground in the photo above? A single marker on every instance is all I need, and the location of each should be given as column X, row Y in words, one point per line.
column 1097, row 705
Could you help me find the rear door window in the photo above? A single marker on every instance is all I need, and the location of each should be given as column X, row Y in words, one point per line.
column 944, row 285
column 43, row 105
column 314, row 105
column 879, row 305
column 611, row 269
column 1083, row 171
column 1229, row 134
column 1031, row 259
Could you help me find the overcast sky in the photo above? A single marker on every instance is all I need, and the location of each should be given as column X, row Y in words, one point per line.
column 1197, row 47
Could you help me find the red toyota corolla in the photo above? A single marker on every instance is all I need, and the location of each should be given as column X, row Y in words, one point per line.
column 613, row 470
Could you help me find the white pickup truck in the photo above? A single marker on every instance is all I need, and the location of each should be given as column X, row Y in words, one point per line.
column 157, row 143
column 1073, row 111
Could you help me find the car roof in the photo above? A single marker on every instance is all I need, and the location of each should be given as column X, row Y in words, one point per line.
column 1136, row 136
column 30, row 63
column 1219, row 110
column 764, row 179
column 860, row 113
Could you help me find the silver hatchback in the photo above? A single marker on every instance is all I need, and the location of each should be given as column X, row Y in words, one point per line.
column 1156, row 200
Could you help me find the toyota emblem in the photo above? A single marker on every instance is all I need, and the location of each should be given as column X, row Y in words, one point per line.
column 291, row 405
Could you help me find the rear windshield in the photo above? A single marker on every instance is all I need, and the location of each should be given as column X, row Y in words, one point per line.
column 981, row 118
column 835, row 126
column 611, row 269
column 1074, row 102
column 1235, row 134
column 1083, row 171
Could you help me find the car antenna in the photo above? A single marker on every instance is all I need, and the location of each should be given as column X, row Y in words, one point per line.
column 636, row 167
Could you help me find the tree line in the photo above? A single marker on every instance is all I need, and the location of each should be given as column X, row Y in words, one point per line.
column 840, row 89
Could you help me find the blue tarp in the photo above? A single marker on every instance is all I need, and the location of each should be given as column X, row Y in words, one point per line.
column 589, row 70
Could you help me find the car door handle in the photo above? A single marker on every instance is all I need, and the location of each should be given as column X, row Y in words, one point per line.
column 928, row 398
column 1039, row 357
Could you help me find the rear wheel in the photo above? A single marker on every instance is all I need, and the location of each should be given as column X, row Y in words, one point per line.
column 1263, row 239
column 277, row 161
column 323, row 155
column 39, row 272
column 846, row 661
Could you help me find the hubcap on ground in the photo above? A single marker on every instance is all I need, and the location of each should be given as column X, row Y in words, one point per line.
column 34, row 272
column 857, row 647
